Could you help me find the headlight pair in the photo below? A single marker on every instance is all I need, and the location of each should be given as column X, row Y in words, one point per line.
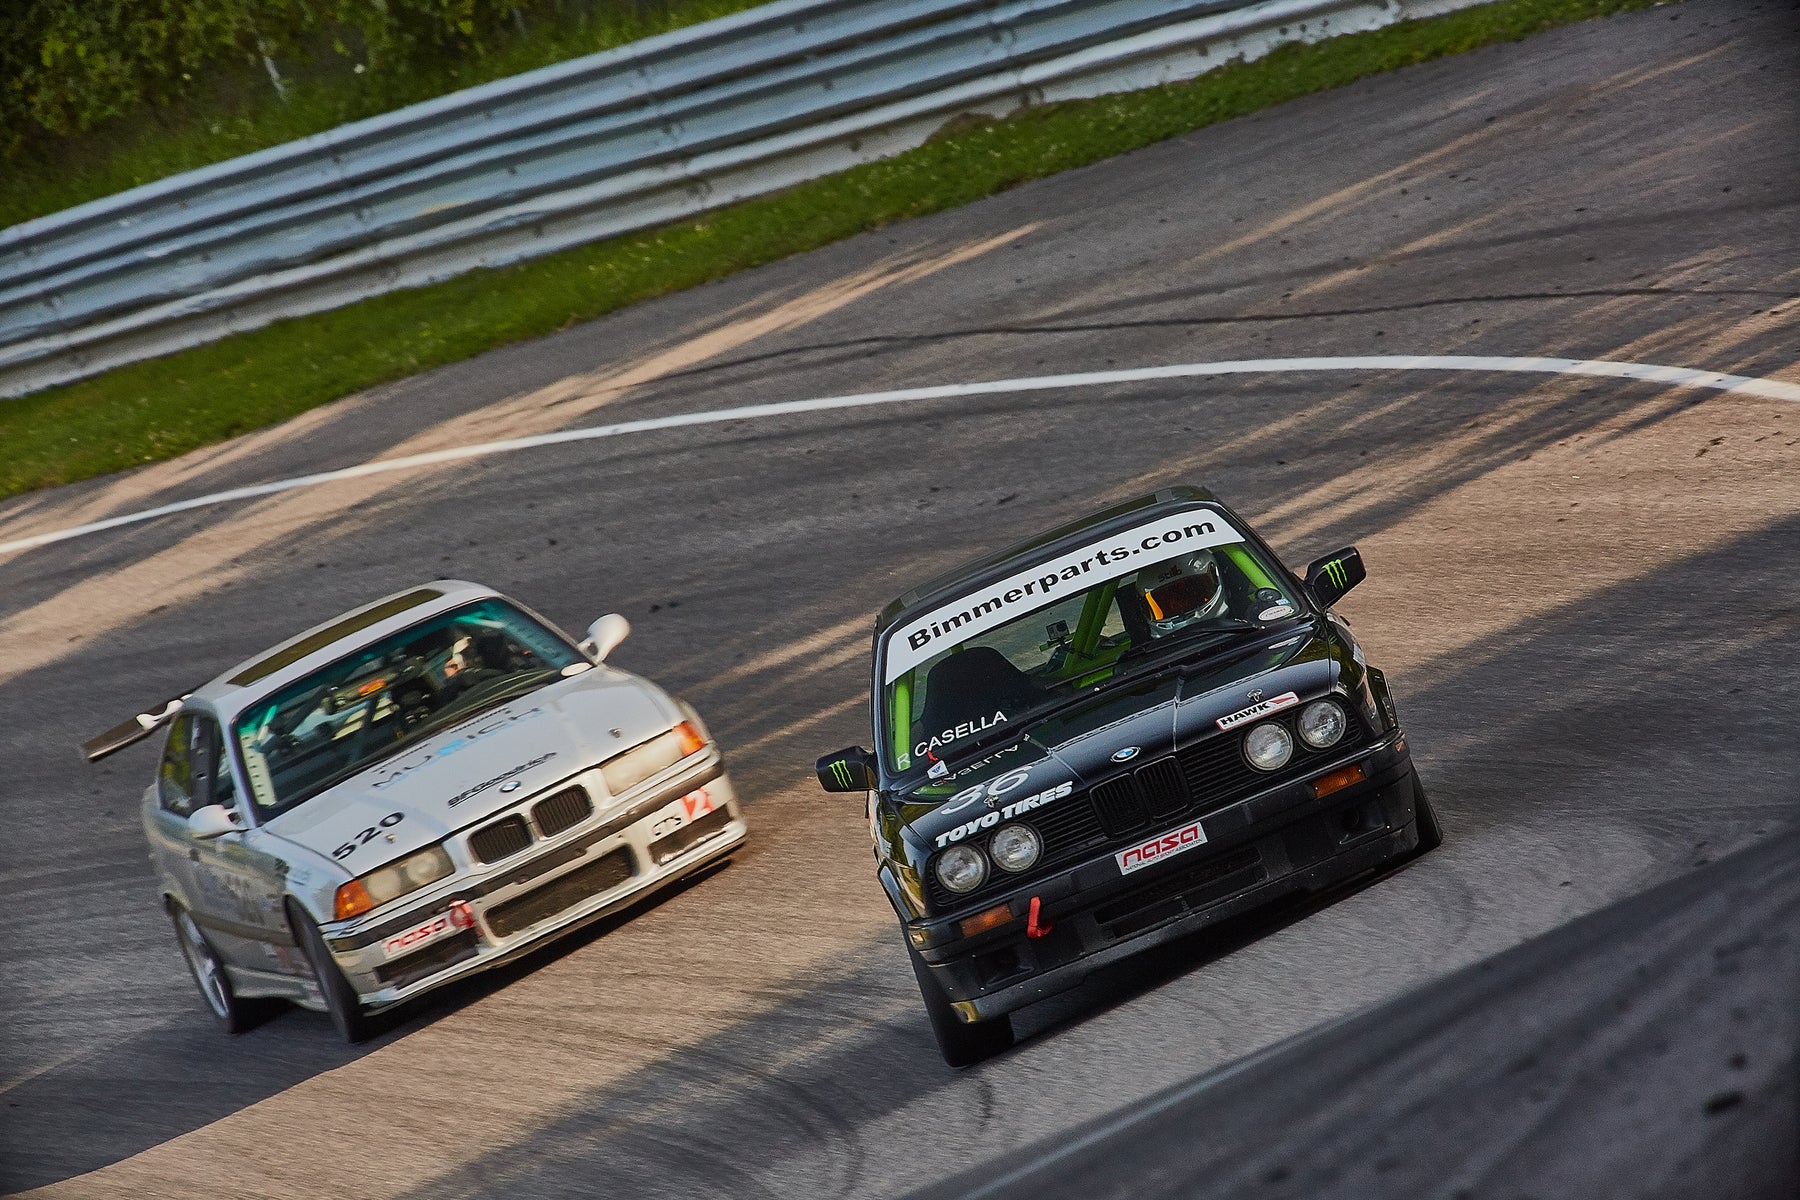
column 1269, row 746
column 392, row 882
column 1013, row 848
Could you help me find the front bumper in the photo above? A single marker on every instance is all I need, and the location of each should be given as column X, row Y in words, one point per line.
column 1256, row 851
column 472, row 923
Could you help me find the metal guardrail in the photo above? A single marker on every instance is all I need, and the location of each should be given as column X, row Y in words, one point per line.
column 625, row 139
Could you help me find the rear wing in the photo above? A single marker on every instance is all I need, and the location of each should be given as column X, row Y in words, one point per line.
column 129, row 733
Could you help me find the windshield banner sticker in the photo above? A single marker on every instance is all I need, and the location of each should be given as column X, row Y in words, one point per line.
column 1000, row 602
column 966, row 729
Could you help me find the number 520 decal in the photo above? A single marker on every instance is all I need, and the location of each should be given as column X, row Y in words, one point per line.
column 368, row 835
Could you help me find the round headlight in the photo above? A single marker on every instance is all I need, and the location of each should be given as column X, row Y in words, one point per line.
column 961, row 868
column 1322, row 723
column 1015, row 847
column 1269, row 746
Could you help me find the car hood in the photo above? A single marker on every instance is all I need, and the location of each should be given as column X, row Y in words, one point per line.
column 465, row 773
column 1076, row 747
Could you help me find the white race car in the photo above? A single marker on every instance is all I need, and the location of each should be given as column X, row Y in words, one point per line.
column 418, row 790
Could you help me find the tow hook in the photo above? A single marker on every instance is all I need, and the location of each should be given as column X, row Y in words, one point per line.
column 1032, row 928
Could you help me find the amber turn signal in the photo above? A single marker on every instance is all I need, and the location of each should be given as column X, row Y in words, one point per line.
column 1337, row 781
column 691, row 741
column 981, row 922
column 353, row 899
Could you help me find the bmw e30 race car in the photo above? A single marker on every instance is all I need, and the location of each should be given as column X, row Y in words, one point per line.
column 1111, row 735
column 422, row 788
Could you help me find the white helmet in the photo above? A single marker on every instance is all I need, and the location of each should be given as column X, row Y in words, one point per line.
column 1180, row 591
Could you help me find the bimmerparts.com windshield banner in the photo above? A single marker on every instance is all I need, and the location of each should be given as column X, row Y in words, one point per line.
column 1066, row 575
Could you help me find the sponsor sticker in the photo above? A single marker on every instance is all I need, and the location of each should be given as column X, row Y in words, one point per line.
column 1260, row 709
column 994, row 816
column 676, row 813
column 457, row 917
column 1034, row 587
column 1174, row 842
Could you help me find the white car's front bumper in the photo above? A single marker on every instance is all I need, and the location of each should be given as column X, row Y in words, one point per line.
column 472, row 922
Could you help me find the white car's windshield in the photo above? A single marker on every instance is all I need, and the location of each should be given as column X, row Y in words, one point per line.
column 988, row 659
column 366, row 706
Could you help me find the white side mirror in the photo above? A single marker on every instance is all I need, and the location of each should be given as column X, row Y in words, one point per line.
column 211, row 821
column 605, row 635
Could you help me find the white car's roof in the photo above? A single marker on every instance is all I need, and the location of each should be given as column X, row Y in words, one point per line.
column 287, row 661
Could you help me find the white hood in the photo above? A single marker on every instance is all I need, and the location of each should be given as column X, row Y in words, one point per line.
column 454, row 778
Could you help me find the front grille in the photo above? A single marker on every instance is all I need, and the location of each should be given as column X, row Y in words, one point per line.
column 429, row 961
column 689, row 836
column 1118, row 806
column 565, row 810
column 1164, row 788
column 1155, row 791
column 563, row 892
column 502, row 839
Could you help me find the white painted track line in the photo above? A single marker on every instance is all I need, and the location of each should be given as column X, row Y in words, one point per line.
column 1639, row 372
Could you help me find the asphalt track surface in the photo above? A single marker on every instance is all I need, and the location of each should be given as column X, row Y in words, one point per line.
column 1581, row 589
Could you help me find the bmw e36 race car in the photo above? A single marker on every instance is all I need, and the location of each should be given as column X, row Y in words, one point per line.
column 1112, row 735
column 420, row 789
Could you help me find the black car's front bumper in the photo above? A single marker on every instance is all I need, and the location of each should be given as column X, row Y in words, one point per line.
column 1258, row 850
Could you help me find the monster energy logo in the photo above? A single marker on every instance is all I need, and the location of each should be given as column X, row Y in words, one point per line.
column 840, row 771
column 1334, row 571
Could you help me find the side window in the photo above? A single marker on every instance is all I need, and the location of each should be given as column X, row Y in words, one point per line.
column 175, row 777
column 219, row 787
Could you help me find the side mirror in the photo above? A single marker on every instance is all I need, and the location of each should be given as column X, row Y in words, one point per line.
column 848, row 770
column 1330, row 577
column 209, row 822
column 605, row 635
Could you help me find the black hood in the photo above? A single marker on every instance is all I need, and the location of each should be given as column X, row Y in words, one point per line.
column 1071, row 750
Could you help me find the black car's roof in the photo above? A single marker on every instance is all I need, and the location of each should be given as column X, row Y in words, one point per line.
column 1044, row 545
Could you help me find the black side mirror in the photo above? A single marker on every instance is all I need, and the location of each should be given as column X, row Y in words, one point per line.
column 848, row 770
column 1330, row 577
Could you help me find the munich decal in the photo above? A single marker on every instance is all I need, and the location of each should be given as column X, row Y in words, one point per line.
column 484, row 727
column 1261, row 709
column 1156, row 849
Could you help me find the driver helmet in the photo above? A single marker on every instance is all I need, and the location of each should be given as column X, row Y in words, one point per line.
column 1181, row 591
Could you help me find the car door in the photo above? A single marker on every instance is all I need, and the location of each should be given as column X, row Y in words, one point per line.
column 171, row 845
column 242, row 881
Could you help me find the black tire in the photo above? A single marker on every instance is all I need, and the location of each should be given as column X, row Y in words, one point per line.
column 353, row 1023
column 208, row 970
column 1431, row 834
column 961, row 1045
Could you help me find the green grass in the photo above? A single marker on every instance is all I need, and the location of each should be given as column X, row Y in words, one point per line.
column 162, row 408
column 237, row 111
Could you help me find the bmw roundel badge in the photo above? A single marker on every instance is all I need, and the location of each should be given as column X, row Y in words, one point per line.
column 1125, row 755
column 511, row 785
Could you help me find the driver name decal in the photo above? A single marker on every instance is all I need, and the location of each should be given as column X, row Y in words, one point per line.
column 928, row 749
column 490, row 724
column 915, row 642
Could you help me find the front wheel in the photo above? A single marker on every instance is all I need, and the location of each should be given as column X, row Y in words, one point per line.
column 232, row 1014
column 961, row 1045
column 353, row 1022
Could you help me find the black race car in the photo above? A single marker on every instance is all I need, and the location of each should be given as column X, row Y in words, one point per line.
column 1112, row 735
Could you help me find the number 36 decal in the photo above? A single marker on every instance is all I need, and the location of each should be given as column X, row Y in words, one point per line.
column 367, row 835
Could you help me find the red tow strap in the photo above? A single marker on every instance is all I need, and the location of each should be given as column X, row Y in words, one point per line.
column 1032, row 928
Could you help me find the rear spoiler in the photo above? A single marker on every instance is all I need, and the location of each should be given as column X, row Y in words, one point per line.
column 129, row 733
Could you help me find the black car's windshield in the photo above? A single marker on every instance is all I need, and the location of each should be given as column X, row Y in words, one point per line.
column 1000, row 654
column 346, row 717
